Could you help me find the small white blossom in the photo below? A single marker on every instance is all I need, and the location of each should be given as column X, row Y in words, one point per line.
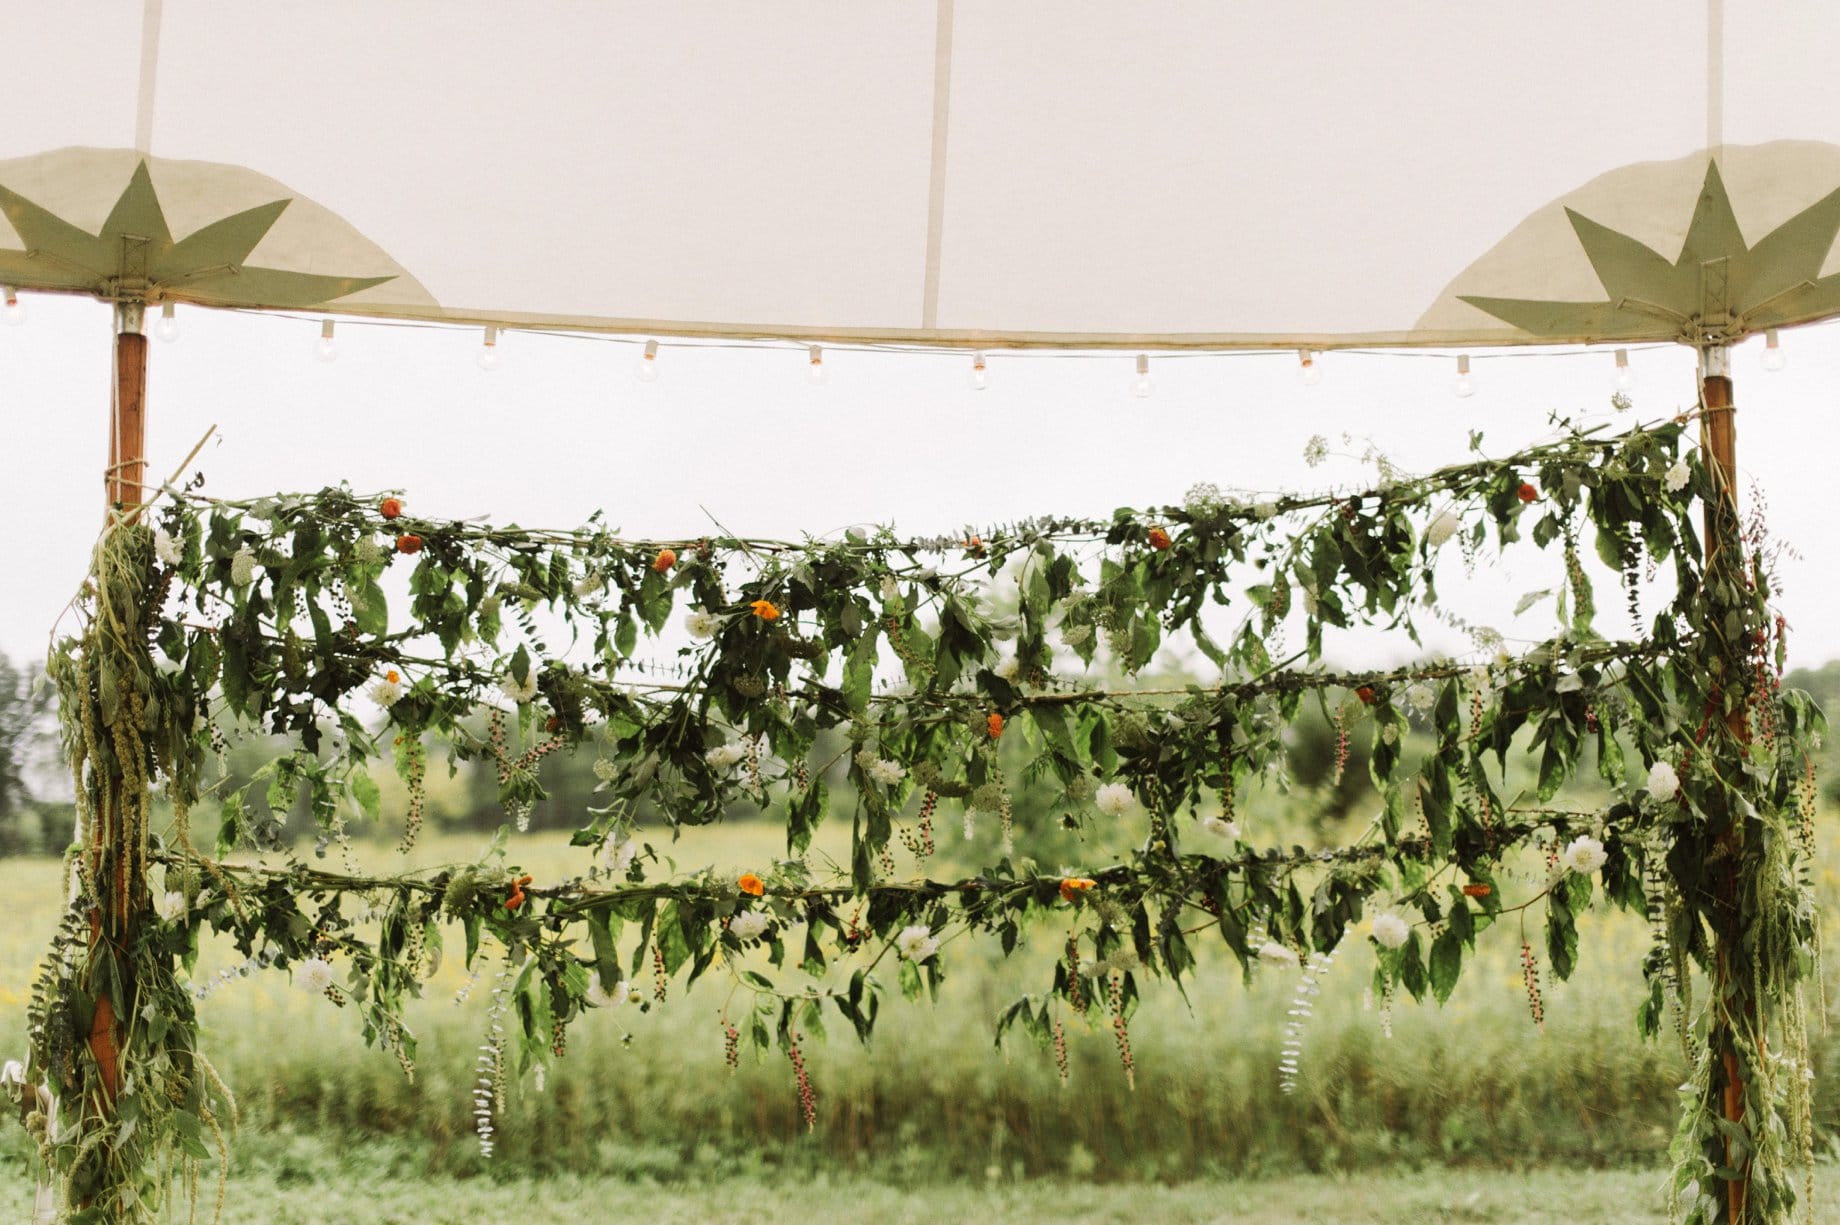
column 916, row 943
column 891, row 587
column 1390, row 930
column 172, row 904
column 166, row 548
column 702, row 624
column 1274, row 954
column 1310, row 602
column 599, row 997
column 1008, row 668
column 313, row 975
column 1422, row 697
column 1678, row 476
column 1114, row 799
column 588, row 584
column 243, row 566
column 618, row 852
column 1442, row 528
column 1663, row 783
column 1203, row 498
column 748, row 924
column 1583, row 855
column 886, row 772
column 386, row 690
column 520, row 693
column 1315, row 451
column 725, row 755
column 1220, row 827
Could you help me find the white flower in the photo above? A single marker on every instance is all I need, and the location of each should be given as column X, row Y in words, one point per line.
column 1076, row 635
column 386, row 689
column 599, row 997
column 1203, row 499
column 1583, row 855
column 520, row 693
column 886, row 772
column 1220, row 827
column 588, row 584
column 1678, row 476
column 1663, row 783
column 1310, row 603
column 891, row 587
column 725, row 755
column 1314, row 452
column 703, row 624
column 618, row 852
column 1274, row 954
column 1390, row 930
column 748, row 924
column 1114, row 799
column 1008, row 668
column 313, row 975
column 243, row 566
column 1442, row 528
column 172, row 904
column 166, row 548
column 916, row 943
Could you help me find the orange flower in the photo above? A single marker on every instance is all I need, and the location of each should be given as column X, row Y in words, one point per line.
column 1478, row 890
column 410, row 543
column 993, row 723
column 1159, row 539
column 389, row 508
column 1075, row 884
column 765, row 610
column 1529, row 492
column 517, row 893
column 1366, row 694
column 393, row 677
column 751, row 884
column 974, row 546
column 666, row 559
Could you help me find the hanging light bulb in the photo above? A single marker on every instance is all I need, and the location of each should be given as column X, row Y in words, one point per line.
column 488, row 352
column 647, row 369
column 1464, row 386
column 1625, row 377
column 814, row 368
column 15, row 311
column 1308, row 372
column 1143, row 386
column 168, row 326
column 980, row 373
column 326, row 349
column 1772, row 352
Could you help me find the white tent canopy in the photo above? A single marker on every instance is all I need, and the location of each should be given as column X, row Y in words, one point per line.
column 983, row 173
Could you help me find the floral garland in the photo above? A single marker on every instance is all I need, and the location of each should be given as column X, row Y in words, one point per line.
column 273, row 614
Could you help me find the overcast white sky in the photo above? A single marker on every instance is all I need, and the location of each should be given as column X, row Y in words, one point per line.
column 562, row 428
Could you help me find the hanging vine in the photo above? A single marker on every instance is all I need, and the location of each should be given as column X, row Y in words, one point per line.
column 884, row 678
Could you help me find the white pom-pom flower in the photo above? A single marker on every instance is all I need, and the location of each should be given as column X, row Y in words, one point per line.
column 520, row 691
column 1663, row 783
column 1008, row 668
column 243, row 566
column 1678, row 476
column 748, row 925
column 1583, row 855
column 166, row 548
column 1114, row 799
column 703, row 624
column 618, row 853
column 886, row 772
column 387, row 690
column 313, row 975
column 1390, row 930
column 1442, row 528
column 725, row 755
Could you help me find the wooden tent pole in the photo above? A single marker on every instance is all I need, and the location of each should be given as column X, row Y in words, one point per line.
column 1724, row 557
column 128, row 420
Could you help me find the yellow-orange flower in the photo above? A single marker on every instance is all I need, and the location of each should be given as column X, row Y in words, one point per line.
column 751, row 884
column 1159, row 539
column 994, row 724
column 1075, row 884
column 765, row 610
column 393, row 677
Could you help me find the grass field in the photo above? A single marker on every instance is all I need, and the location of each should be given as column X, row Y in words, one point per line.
column 1467, row 1113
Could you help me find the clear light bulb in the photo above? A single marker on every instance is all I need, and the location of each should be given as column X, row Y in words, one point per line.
column 15, row 311
column 1309, row 373
column 326, row 348
column 488, row 352
column 1142, row 387
column 814, row 368
column 1773, row 357
column 980, row 373
column 167, row 328
column 1465, row 387
column 647, row 369
column 1625, row 377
